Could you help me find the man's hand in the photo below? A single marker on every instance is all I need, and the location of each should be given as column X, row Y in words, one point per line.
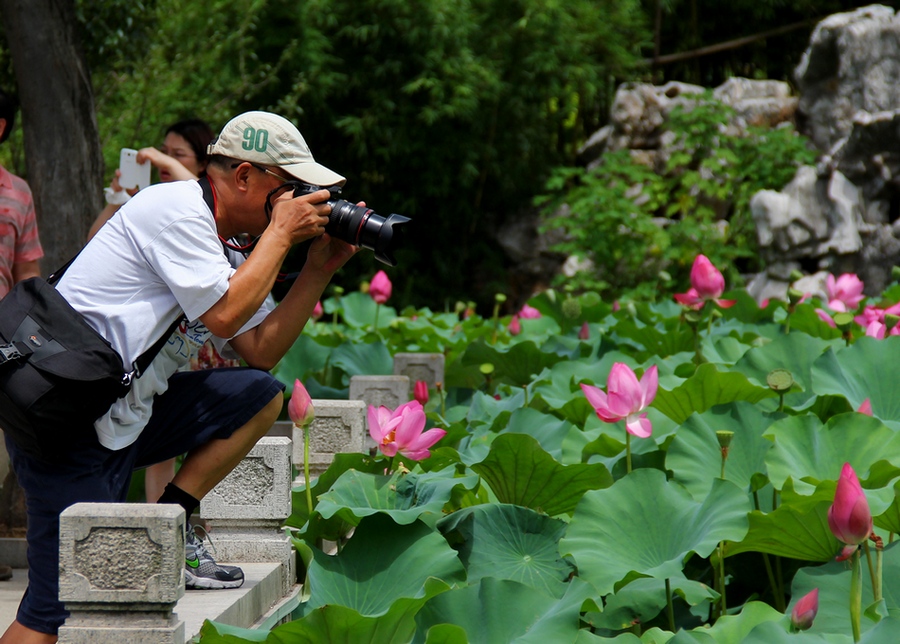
column 302, row 218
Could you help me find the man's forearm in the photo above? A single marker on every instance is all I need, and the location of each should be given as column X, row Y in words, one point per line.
column 24, row 270
column 265, row 345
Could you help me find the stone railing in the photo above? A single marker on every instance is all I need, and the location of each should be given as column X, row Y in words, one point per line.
column 122, row 564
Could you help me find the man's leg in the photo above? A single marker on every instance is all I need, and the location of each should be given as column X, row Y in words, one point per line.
column 206, row 465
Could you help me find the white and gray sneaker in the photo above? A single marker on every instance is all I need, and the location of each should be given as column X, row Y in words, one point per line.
column 201, row 570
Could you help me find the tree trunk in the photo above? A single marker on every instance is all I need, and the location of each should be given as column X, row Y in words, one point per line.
column 62, row 146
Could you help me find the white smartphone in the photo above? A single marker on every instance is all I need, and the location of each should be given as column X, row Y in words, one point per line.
column 134, row 174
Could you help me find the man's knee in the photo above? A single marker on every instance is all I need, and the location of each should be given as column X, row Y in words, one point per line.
column 269, row 414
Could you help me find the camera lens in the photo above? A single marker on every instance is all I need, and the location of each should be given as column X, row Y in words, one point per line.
column 364, row 227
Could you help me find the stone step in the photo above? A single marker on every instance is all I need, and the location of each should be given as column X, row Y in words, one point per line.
column 256, row 604
column 259, row 603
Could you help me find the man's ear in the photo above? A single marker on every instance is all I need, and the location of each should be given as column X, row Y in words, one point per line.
column 241, row 176
column 2, row 128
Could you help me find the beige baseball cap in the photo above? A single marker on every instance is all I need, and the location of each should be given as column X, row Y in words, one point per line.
column 271, row 140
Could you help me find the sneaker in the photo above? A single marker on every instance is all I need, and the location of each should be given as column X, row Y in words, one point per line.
column 201, row 570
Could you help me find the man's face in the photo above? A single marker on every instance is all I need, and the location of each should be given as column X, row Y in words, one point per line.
column 266, row 185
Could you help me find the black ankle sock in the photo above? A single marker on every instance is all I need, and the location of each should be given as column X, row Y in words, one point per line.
column 174, row 494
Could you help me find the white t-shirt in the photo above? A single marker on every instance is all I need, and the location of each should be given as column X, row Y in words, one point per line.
column 158, row 256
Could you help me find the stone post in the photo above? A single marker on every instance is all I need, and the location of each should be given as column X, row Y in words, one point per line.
column 245, row 512
column 390, row 391
column 339, row 427
column 428, row 367
column 121, row 572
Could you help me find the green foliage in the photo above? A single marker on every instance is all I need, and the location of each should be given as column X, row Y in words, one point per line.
column 642, row 227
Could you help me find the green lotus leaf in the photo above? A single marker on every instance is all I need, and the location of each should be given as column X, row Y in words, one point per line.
column 500, row 610
column 723, row 350
column 798, row 528
column 305, row 356
column 643, row 599
column 647, row 525
column 335, row 623
column 706, row 388
column 660, row 342
column 509, row 542
column 358, row 310
column 586, row 637
column 381, row 563
column 359, row 359
column 549, row 431
column 519, row 471
column 833, row 582
column 446, row 634
column 695, row 458
column 733, row 629
column 889, row 520
column 868, row 368
column 805, row 320
column 795, row 352
column 516, row 364
column 806, row 450
column 404, row 497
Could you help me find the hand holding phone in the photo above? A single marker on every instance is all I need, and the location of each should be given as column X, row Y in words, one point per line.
column 133, row 174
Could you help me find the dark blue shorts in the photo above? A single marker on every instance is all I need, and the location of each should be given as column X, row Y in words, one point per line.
column 199, row 406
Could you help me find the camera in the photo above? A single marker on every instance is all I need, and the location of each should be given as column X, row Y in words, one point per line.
column 359, row 225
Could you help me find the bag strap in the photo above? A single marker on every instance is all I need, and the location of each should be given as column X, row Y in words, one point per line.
column 143, row 361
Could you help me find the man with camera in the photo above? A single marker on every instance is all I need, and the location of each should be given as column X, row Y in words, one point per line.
column 170, row 253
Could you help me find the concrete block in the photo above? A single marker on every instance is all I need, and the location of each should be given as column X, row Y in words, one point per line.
column 389, row 391
column 420, row 366
column 121, row 553
column 259, row 488
column 246, row 510
column 121, row 573
column 339, row 428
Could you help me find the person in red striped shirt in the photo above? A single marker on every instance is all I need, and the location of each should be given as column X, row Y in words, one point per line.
column 20, row 247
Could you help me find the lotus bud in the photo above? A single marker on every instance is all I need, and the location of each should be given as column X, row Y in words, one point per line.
column 805, row 610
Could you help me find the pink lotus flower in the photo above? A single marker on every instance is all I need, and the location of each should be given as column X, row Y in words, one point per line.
column 707, row 284
column 585, row 332
column 300, row 407
column 380, row 287
column 849, row 517
column 420, row 392
column 844, row 293
column 401, row 431
column 865, row 407
column 515, row 327
column 805, row 610
column 825, row 316
column 318, row 310
column 529, row 313
column 626, row 398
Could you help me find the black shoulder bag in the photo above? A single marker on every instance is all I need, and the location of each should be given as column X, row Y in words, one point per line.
column 57, row 375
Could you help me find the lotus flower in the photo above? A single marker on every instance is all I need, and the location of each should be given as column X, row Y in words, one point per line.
column 825, row 316
column 401, row 431
column 529, row 313
column 849, row 517
column 318, row 311
column 515, row 327
column 805, row 610
column 844, row 293
column 865, row 407
column 380, row 287
column 707, row 284
column 420, row 392
column 300, row 407
column 626, row 398
column 585, row 332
